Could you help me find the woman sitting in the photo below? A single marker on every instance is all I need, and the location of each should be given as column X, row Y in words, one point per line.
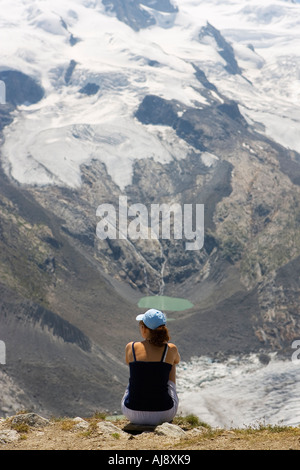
column 151, row 397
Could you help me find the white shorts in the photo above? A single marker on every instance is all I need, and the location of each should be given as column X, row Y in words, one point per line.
column 152, row 417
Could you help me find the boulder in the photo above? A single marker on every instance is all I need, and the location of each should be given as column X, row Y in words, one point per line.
column 170, row 430
column 80, row 424
column 108, row 429
column 31, row 419
column 8, row 435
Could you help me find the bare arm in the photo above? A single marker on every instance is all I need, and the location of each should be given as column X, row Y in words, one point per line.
column 176, row 360
column 172, row 375
column 128, row 353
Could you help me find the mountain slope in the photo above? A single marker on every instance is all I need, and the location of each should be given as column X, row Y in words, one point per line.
column 55, row 317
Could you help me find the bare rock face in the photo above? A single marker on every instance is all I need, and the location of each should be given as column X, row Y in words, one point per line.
column 20, row 88
column 137, row 17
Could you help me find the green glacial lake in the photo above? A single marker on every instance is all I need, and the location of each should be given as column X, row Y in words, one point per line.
column 164, row 303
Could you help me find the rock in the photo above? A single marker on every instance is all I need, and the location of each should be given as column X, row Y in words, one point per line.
column 108, row 429
column 31, row 419
column 21, row 88
column 170, row 430
column 80, row 423
column 8, row 435
column 134, row 15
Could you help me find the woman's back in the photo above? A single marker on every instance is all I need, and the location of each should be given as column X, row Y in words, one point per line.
column 147, row 352
column 149, row 377
column 151, row 397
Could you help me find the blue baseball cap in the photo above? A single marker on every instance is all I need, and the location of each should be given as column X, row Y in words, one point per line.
column 152, row 318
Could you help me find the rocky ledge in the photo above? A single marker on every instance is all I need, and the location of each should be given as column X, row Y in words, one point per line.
column 18, row 427
column 29, row 431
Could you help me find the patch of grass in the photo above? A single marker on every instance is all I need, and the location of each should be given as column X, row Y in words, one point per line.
column 100, row 415
column 270, row 428
column 67, row 424
column 189, row 422
column 21, row 427
column 88, row 433
column 211, row 433
column 92, row 426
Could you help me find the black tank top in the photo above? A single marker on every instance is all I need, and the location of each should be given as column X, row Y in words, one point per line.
column 148, row 385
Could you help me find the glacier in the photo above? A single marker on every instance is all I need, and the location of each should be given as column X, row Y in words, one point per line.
column 241, row 391
column 48, row 141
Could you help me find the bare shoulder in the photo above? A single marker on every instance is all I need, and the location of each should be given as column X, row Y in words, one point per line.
column 172, row 346
column 128, row 352
column 174, row 351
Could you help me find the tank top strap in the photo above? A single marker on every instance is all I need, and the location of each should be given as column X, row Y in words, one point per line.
column 165, row 353
column 133, row 352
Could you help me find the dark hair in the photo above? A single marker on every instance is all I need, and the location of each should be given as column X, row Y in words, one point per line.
column 159, row 336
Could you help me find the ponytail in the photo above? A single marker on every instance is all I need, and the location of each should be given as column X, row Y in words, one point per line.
column 159, row 336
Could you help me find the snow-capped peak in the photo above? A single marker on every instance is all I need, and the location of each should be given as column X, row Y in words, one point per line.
column 96, row 68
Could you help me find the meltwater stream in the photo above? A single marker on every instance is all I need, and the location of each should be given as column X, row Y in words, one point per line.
column 241, row 391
